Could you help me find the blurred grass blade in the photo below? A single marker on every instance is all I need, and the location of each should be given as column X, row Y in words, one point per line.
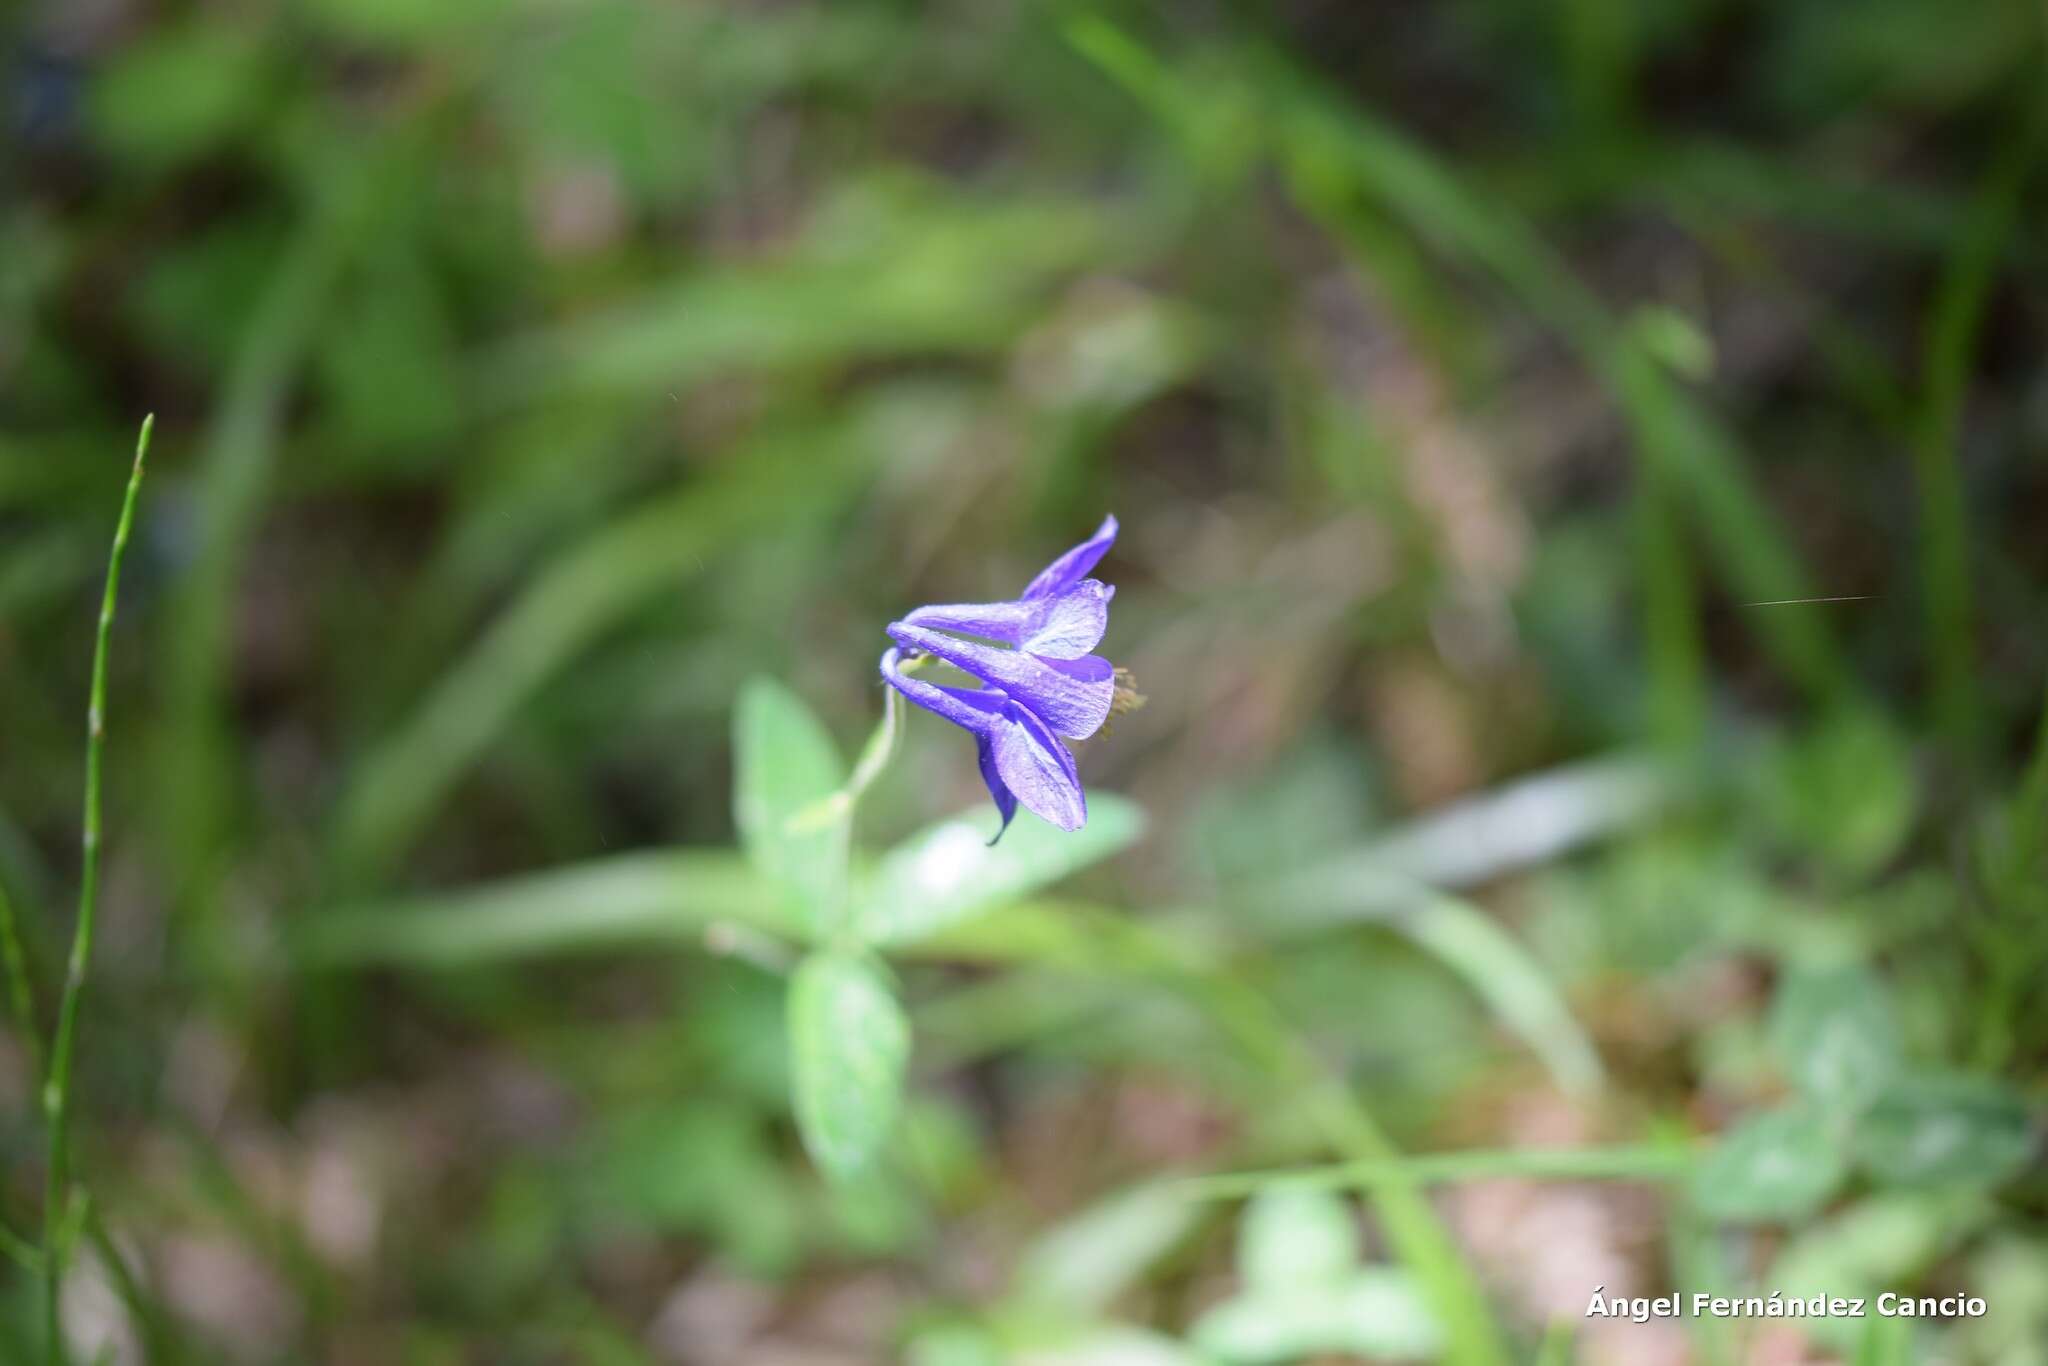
column 892, row 268
column 1513, row 985
column 1520, row 825
column 1670, row 591
column 1642, row 1162
column 1951, row 344
column 579, row 596
column 195, row 767
column 1497, row 968
column 1336, row 152
column 849, row 1046
column 1082, row 1264
column 19, row 1250
column 1334, row 155
column 1726, row 180
column 1127, row 950
column 1392, row 881
column 630, row 901
column 949, row 872
column 786, row 773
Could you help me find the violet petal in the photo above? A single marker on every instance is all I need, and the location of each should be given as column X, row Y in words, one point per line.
column 1070, row 625
column 1038, row 769
column 1005, row 799
column 961, row 706
column 1070, row 568
column 1004, row 621
column 1071, row 695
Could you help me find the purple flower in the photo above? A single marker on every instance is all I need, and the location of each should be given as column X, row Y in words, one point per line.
column 1040, row 683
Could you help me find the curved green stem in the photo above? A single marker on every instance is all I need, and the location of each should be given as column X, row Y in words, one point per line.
column 57, row 1086
column 881, row 746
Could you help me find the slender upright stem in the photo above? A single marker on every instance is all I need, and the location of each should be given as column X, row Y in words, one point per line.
column 1967, row 281
column 57, row 1085
column 881, row 745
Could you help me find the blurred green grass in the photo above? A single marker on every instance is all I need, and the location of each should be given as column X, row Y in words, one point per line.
column 530, row 376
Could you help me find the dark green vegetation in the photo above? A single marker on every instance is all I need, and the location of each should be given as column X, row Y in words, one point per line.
column 1476, row 383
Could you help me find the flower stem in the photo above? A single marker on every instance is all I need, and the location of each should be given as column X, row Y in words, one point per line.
column 875, row 755
column 57, row 1087
column 881, row 746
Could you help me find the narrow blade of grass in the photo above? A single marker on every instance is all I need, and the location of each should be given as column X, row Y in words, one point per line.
column 57, row 1086
column 579, row 596
column 1117, row 947
column 633, row 900
column 1660, row 1162
column 1944, row 521
column 1335, row 156
column 195, row 765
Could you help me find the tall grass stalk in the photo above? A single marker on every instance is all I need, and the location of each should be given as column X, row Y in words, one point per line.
column 57, row 1085
column 1944, row 548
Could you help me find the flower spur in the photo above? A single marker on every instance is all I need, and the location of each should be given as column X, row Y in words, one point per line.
column 1039, row 683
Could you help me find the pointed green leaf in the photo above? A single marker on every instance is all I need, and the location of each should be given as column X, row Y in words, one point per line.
column 1940, row 1130
column 663, row 897
column 1835, row 1032
column 1779, row 1165
column 1877, row 1244
column 787, row 773
column 950, row 872
column 849, row 1044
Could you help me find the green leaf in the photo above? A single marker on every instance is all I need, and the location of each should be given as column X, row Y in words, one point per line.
column 950, row 872
column 574, row 600
column 1779, row 1165
column 1878, row 1243
column 849, row 1044
column 1945, row 1130
column 601, row 906
column 1294, row 1236
column 1374, row 1313
column 786, row 774
column 1836, row 1033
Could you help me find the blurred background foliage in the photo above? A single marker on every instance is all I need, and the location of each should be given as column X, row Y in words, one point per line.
column 1465, row 376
